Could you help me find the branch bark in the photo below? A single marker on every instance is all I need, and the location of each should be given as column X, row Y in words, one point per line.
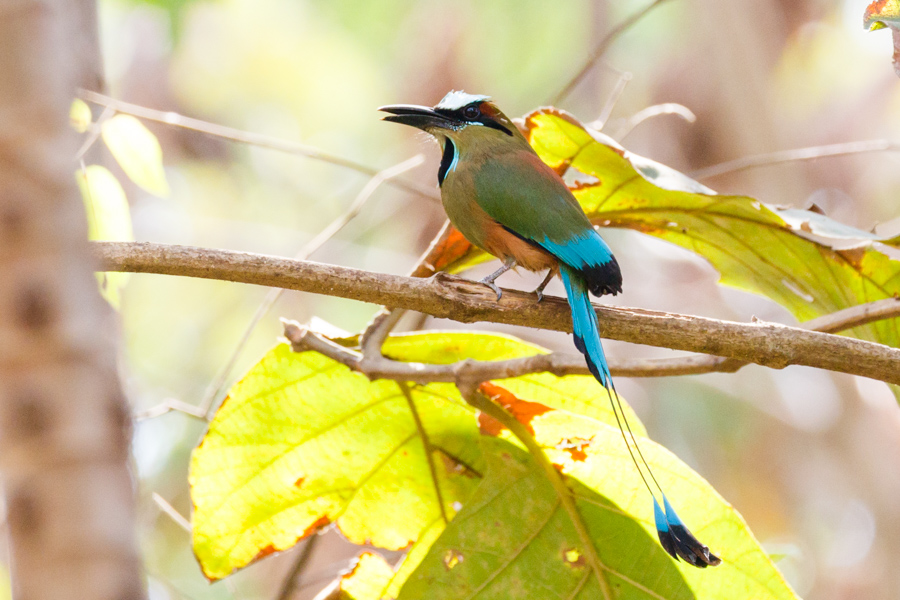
column 445, row 296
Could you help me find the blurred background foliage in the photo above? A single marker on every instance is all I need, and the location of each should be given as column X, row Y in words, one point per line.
column 810, row 458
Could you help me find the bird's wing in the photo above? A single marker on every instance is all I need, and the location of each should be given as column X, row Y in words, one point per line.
column 532, row 202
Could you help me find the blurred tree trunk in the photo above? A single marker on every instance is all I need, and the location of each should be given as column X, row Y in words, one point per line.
column 64, row 439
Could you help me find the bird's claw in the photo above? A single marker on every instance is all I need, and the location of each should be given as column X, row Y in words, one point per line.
column 539, row 290
column 494, row 287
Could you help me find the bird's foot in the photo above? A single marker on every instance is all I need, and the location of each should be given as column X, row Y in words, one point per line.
column 539, row 290
column 490, row 283
column 508, row 264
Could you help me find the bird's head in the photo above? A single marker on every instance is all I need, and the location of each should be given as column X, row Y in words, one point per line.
column 466, row 119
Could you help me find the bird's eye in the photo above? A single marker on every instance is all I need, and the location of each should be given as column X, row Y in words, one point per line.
column 471, row 112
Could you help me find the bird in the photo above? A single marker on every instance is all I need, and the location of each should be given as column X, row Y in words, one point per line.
column 505, row 200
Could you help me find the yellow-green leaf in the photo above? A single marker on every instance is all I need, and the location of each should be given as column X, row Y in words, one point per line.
column 137, row 151
column 886, row 13
column 80, row 115
column 109, row 219
column 537, row 548
column 302, row 441
column 367, row 580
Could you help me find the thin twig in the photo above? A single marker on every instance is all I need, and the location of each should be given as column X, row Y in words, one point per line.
column 372, row 339
column 94, row 133
column 246, row 137
column 215, row 388
column 855, row 316
column 291, row 582
column 669, row 108
column 557, row 363
column 446, row 296
column 799, row 154
column 426, row 447
column 561, row 364
column 842, row 320
column 170, row 405
column 601, row 49
column 170, row 511
column 480, row 402
column 611, row 101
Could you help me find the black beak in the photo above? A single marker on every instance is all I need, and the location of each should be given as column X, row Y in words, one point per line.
column 417, row 116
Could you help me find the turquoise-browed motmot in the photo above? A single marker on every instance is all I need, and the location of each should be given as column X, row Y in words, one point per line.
column 505, row 200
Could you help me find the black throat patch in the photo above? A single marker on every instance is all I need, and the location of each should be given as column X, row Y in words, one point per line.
column 446, row 160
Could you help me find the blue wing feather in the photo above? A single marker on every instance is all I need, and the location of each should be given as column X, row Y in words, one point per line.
column 582, row 251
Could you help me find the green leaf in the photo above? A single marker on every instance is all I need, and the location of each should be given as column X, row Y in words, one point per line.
column 109, row 219
column 80, row 115
column 302, row 441
column 513, row 539
column 606, row 468
column 137, row 151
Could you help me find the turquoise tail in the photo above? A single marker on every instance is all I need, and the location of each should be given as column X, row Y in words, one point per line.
column 585, row 326
column 674, row 536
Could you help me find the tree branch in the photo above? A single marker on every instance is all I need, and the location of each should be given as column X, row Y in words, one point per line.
column 557, row 363
column 446, row 296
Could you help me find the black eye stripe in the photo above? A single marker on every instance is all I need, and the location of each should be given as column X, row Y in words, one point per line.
column 460, row 114
column 494, row 125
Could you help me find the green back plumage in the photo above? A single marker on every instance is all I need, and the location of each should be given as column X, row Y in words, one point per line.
column 523, row 194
